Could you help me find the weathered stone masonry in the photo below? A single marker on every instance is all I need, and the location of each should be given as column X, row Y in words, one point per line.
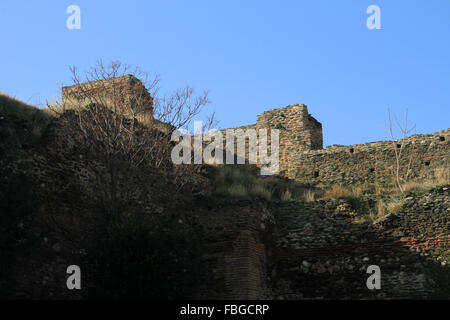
column 301, row 153
column 372, row 162
column 237, row 251
column 299, row 131
column 314, row 250
column 320, row 253
column 123, row 93
column 296, row 250
column 303, row 158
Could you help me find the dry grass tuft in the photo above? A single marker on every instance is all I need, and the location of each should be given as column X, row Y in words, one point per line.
column 394, row 207
column 310, row 196
column 337, row 191
column 442, row 175
column 287, row 195
column 381, row 209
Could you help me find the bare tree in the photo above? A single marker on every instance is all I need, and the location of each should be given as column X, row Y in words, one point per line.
column 400, row 172
column 123, row 121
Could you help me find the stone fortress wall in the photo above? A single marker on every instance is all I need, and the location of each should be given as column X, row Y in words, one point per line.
column 314, row 250
column 372, row 162
column 301, row 154
column 298, row 131
column 123, row 93
column 319, row 252
column 302, row 157
column 127, row 94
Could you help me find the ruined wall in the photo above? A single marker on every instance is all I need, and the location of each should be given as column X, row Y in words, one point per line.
column 303, row 158
column 372, row 162
column 321, row 252
column 301, row 154
column 126, row 93
column 298, row 131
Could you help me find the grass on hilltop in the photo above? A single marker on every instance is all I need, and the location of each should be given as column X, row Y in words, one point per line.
column 20, row 123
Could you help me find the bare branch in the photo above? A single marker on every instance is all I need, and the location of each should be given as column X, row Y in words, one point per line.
column 398, row 173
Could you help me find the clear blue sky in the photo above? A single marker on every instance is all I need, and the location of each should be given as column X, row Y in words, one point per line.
column 252, row 55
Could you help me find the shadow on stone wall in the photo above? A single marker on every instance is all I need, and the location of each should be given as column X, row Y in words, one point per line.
column 321, row 254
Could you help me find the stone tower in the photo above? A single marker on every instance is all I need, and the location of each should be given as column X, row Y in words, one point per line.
column 299, row 131
column 127, row 93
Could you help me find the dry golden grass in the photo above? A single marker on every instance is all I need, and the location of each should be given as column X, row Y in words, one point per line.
column 414, row 185
column 337, row 191
column 394, row 207
column 225, row 178
column 310, row 196
column 286, row 195
column 367, row 218
column 380, row 209
column 441, row 176
column 358, row 190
